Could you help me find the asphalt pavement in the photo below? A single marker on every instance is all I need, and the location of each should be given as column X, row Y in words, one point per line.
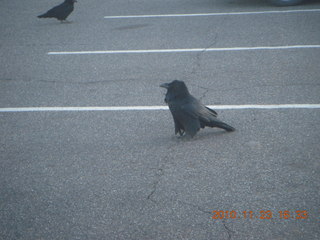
column 123, row 174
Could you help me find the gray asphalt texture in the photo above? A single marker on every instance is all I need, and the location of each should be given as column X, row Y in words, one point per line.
column 124, row 175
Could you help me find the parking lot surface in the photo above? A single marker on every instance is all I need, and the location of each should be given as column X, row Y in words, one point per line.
column 87, row 174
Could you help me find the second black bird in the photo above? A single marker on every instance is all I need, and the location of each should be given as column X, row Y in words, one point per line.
column 189, row 114
column 60, row 12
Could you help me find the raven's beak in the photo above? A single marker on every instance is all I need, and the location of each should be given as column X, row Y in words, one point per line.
column 165, row 85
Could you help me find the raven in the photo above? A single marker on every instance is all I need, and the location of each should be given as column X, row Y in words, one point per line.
column 60, row 12
column 189, row 114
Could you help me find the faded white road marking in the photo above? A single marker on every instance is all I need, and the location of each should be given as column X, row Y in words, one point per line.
column 185, row 50
column 153, row 108
column 211, row 14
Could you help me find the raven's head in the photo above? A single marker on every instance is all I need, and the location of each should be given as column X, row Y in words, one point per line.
column 176, row 89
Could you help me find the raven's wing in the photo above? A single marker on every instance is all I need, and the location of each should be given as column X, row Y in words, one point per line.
column 207, row 116
column 197, row 110
column 212, row 111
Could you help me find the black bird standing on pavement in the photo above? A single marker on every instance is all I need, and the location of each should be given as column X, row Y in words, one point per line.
column 60, row 12
column 189, row 114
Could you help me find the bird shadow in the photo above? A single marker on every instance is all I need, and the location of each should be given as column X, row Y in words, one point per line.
column 66, row 22
column 131, row 27
column 55, row 23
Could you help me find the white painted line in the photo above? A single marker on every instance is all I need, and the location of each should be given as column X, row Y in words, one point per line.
column 266, row 106
column 153, row 108
column 186, row 50
column 82, row 109
column 211, row 14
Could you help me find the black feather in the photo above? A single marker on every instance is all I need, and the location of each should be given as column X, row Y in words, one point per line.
column 60, row 12
column 188, row 113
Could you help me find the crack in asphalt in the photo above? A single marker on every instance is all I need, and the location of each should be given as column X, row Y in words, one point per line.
column 160, row 173
column 155, row 184
column 204, row 94
column 199, row 208
column 229, row 231
column 164, row 162
column 197, row 64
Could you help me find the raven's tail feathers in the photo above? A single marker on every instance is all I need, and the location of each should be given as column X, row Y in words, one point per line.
column 219, row 124
column 224, row 126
